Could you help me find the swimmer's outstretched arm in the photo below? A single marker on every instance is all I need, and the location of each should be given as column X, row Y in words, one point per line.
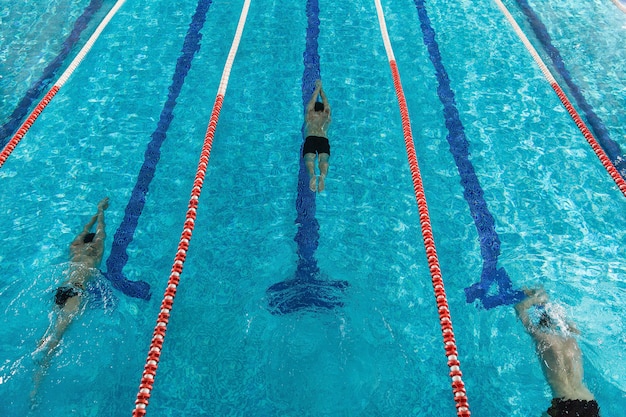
column 78, row 240
column 102, row 205
column 533, row 297
column 100, row 229
column 98, row 217
column 316, row 92
column 324, row 99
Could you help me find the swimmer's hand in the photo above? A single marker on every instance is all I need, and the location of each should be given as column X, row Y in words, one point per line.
column 535, row 296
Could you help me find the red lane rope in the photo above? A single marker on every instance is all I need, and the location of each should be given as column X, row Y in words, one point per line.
column 158, row 336
column 593, row 142
column 8, row 149
column 604, row 159
column 10, row 146
column 445, row 320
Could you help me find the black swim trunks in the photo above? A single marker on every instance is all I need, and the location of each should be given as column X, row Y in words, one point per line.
column 313, row 144
column 64, row 293
column 573, row 408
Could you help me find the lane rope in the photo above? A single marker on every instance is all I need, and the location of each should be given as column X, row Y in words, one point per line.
column 604, row 159
column 35, row 90
column 458, row 387
column 154, row 352
column 612, row 148
column 10, row 146
column 620, row 5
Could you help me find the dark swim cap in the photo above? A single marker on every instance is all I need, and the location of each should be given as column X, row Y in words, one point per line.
column 545, row 320
column 89, row 237
column 319, row 106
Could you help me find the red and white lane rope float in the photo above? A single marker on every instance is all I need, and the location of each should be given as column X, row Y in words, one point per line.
column 458, row 387
column 154, row 353
column 620, row 5
column 593, row 142
column 8, row 149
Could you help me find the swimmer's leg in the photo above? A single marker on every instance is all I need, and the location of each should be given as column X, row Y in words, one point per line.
column 49, row 343
column 323, row 164
column 309, row 162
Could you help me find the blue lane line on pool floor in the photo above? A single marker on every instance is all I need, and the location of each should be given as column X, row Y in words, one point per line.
column 306, row 290
column 125, row 232
column 35, row 91
column 611, row 148
column 307, row 236
column 459, row 147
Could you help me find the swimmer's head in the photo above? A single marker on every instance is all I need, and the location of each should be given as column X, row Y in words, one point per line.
column 551, row 318
column 545, row 320
column 319, row 106
column 89, row 237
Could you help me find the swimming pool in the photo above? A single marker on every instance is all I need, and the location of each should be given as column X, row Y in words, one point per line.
column 557, row 214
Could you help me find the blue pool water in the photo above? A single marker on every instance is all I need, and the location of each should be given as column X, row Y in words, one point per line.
column 557, row 214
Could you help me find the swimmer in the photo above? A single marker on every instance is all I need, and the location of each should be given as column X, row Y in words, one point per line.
column 85, row 256
column 561, row 358
column 317, row 120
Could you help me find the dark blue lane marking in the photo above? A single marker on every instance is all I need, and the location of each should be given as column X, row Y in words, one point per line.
column 306, row 291
column 473, row 192
column 611, row 148
column 35, row 91
column 125, row 232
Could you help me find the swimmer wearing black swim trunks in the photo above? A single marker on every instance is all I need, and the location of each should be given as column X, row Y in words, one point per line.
column 316, row 143
column 573, row 408
column 85, row 255
column 561, row 357
column 64, row 293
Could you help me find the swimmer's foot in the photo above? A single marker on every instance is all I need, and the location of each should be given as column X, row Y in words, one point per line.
column 313, row 183
column 103, row 204
column 321, row 185
column 34, row 402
